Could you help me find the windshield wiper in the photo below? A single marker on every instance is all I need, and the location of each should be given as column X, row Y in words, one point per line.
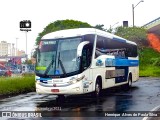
column 49, row 66
column 61, row 64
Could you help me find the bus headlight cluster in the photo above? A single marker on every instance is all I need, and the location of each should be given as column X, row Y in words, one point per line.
column 38, row 82
column 86, row 85
column 37, row 78
column 74, row 80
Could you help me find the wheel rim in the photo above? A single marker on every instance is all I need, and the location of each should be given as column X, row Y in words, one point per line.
column 130, row 83
column 97, row 89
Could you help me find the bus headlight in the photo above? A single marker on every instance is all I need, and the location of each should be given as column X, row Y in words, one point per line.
column 38, row 82
column 37, row 78
column 74, row 80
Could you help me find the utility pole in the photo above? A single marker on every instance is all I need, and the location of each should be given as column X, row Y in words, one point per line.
column 16, row 47
column 26, row 45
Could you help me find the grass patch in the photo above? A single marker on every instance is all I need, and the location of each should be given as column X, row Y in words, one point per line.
column 17, row 85
column 150, row 71
column 149, row 62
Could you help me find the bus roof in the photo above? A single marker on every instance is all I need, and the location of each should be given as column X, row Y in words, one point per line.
column 83, row 31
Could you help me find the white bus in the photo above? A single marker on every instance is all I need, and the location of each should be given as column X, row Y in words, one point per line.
column 84, row 60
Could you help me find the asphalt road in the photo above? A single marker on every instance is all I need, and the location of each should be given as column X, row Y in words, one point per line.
column 144, row 96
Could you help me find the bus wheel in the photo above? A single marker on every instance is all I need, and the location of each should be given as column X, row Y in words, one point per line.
column 129, row 84
column 130, row 81
column 98, row 88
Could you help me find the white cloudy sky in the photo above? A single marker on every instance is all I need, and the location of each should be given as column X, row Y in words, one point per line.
column 42, row 12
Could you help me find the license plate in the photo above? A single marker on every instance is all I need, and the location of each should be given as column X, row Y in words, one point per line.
column 54, row 90
column 57, row 80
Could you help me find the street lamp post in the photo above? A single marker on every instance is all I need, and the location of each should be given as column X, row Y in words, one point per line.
column 25, row 25
column 111, row 27
column 26, row 46
column 133, row 7
column 16, row 47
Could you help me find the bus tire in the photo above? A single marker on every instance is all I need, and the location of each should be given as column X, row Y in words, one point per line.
column 98, row 87
column 129, row 83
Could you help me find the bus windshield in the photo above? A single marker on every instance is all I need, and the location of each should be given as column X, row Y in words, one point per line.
column 57, row 57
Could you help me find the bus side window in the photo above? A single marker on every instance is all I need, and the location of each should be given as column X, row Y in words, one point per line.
column 126, row 52
column 123, row 54
column 99, row 46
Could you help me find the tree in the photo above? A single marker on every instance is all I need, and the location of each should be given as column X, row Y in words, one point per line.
column 100, row 27
column 136, row 34
column 27, row 62
column 110, row 30
column 61, row 25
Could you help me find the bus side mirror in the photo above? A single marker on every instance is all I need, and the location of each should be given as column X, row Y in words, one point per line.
column 80, row 48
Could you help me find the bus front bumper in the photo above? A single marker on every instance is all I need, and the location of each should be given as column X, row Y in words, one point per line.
column 67, row 90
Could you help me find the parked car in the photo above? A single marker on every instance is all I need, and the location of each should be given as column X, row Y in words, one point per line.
column 5, row 71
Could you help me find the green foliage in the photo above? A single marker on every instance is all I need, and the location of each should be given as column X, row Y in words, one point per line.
column 155, row 61
column 110, row 30
column 28, row 74
column 61, row 25
column 150, row 71
column 27, row 62
column 34, row 54
column 149, row 62
column 16, row 85
column 147, row 55
column 136, row 34
column 100, row 27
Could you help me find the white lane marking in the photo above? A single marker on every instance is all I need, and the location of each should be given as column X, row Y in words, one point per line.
column 154, row 109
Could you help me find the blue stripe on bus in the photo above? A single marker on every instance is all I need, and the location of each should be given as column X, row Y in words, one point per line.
column 121, row 62
column 45, row 79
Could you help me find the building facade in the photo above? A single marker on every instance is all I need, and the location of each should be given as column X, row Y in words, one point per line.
column 7, row 49
column 20, row 52
column 4, row 48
